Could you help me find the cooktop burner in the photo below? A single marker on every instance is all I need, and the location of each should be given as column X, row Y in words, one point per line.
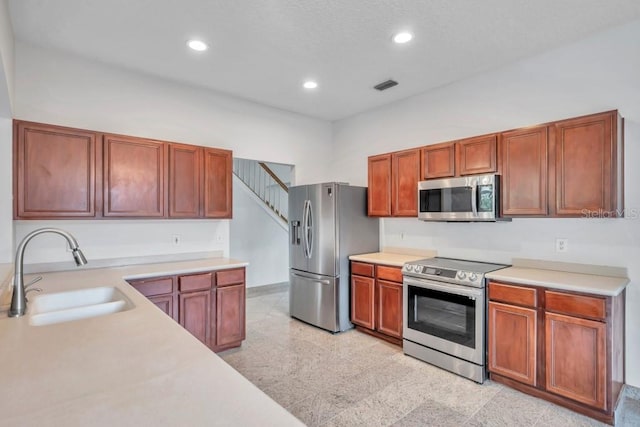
column 463, row 272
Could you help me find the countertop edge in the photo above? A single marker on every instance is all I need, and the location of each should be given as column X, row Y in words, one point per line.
column 394, row 259
column 496, row 275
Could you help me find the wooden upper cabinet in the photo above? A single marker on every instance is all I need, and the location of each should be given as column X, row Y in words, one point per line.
column 379, row 192
column 134, row 177
column 55, row 171
column 217, row 183
column 438, row 161
column 185, row 167
column 405, row 173
column 585, row 164
column 576, row 359
column 524, row 188
column 477, row 155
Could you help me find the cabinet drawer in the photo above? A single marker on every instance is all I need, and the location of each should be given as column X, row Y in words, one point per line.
column 155, row 286
column 576, row 305
column 393, row 274
column 512, row 294
column 230, row 277
column 195, row 282
column 361, row 269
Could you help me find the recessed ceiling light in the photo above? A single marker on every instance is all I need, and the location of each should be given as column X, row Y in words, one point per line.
column 310, row 84
column 197, row 45
column 403, row 37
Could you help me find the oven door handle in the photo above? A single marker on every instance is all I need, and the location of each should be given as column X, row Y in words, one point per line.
column 464, row 291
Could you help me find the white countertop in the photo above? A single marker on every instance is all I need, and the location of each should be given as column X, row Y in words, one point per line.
column 136, row 367
column 393, row 258
column 388, row 258
column 568, row 281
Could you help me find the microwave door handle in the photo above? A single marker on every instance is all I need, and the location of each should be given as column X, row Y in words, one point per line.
column 474, row 200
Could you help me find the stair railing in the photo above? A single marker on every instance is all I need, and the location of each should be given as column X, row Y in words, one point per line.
column 265, row 184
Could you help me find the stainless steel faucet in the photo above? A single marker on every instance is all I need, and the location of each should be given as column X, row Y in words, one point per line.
column 18, row 300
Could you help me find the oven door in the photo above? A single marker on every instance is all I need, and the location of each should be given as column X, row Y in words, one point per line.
column 445, row 317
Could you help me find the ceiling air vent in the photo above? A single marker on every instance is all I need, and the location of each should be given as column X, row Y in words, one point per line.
column 385, row 85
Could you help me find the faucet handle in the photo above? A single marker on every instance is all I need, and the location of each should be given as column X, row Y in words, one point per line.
column 30, row 290
column 37, row 279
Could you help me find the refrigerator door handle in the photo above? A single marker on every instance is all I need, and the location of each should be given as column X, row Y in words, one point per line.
column 322, row 281
column 295, row 236
column 309, row 230
column 306, row 228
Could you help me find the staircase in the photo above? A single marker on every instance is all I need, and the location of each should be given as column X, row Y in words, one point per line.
column 265, row 185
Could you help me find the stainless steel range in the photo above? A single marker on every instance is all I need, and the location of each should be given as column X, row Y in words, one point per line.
column 444, row 314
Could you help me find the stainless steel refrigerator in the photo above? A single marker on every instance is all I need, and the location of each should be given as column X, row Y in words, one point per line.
column 327, row 223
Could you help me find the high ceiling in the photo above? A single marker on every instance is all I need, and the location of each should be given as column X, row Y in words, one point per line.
column 263, row 50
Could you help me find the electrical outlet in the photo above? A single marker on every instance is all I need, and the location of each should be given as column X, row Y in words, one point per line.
column 176, row 239
column 562, row 245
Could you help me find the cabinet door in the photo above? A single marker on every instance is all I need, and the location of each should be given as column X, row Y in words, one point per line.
column 584, row 166
column 477, row 155
column 390, row 308
column 164, row 303
column 184, row 181
column 195, row 309
column 55, row 172
column 363, row 301
column 218, row 167
column 438, row 161
column 134, row 177
column 576, row 359
column 405, row 171
column 379, row 192
column 524, row 172
column 513, row 342
column 230, row 315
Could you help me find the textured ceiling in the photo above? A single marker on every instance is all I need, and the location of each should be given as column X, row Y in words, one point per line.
column 262, row 50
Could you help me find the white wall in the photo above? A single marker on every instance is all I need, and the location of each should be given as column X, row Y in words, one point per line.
column 52, row 87
column 258, row 239
column 6, row 191
column 597, row 74
column 6, row 97
column 6, row 60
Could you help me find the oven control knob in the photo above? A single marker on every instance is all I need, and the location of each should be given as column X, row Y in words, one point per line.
column 473, row 277
column 461, row 275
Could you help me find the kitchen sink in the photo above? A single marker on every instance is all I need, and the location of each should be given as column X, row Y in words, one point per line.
column 75, row 305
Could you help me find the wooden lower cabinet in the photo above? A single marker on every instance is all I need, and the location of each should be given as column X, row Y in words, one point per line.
column 363, row 301
column 390, row 308
column 376, row 301
column 576, row 358
column 230, row 316
column 210, row 305
column 513, row 342
column 195, row 314
column 564, row 347
column 164, row 303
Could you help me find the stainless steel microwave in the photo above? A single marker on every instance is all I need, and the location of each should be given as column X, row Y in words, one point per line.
column 469, row 198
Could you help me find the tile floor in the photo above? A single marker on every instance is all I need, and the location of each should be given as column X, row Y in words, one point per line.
column 352, row 379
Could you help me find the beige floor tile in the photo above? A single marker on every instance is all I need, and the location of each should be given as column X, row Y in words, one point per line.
column 354, row 379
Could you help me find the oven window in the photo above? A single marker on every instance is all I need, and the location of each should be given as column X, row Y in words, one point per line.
column 456, row 199
column 444, row 315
